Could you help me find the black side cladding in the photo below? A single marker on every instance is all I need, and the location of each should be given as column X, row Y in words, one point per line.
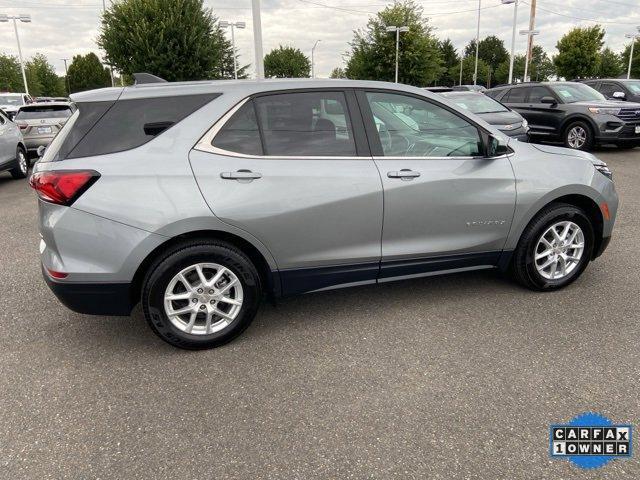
column 109, row 127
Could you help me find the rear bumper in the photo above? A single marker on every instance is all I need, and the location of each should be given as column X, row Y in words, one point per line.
column 92, row 298
column 602, row 247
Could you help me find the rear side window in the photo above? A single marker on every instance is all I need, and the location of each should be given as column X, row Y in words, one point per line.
column 516, row 95
column 57, row 111
column 305, row 124
column 240, row 134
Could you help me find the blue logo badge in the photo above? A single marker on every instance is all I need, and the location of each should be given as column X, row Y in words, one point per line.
column 590, row 440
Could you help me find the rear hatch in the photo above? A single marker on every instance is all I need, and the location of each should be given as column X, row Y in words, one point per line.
column 42, row 120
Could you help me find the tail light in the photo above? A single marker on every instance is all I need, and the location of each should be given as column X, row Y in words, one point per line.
column 62, row 187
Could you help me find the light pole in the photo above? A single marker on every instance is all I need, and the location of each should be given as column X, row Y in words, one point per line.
column 26, row 19
column 633, row 38
column 475, row 71
column 513, row 34
column 398, row 30
column 530, row 34
column 257, row 38
column 66, row 75
column 224, row 24
column 461, row 59
column 313, row 64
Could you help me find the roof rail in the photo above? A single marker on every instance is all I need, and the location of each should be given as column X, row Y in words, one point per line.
column 142, row 78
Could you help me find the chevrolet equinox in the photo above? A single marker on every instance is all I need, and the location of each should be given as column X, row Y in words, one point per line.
column 197, row 199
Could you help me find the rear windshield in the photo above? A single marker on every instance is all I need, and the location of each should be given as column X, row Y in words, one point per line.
column 11, row 100
column 53, row 111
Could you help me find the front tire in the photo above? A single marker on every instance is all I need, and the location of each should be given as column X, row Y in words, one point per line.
column 578, row 136
column 201, row 294
column 554, row 249
column 21, row 170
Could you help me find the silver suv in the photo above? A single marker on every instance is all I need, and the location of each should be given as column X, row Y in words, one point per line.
column 199, row 198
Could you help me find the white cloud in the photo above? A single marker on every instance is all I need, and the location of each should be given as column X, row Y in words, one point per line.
column 63, row 28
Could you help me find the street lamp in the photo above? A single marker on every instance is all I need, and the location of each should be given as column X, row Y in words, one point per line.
column 398, row 30
column 530, row 34
column 66, row 75
column 475, row 72
column 513, row 34
column 633, row 37
column 225, row 24
column 313, row 68
column 26, row 19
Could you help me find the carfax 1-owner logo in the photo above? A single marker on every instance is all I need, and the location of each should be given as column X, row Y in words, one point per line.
column 590, row 440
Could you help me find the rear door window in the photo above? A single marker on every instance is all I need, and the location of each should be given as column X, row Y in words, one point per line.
column 516, row 95
column 305, row 124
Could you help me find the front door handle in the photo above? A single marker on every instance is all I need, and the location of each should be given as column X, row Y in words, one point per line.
column 404, row 174
column 241, row 175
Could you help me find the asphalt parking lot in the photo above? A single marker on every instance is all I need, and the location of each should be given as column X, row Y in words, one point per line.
column 449, row 377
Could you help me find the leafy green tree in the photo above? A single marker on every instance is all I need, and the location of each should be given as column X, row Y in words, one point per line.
column 468, row 68
column 286, row 62
column 609, row 65
column 490, row 50
column 373, row 49
column 10, row 75
column 635, row 62
column 338, row 72
column 450, row 60
column 48, row 83
column 174, row 39
column 579, row 52
column 86, row 72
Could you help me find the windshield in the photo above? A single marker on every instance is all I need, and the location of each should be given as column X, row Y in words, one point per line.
column 570, row 93
column 11, row 100
column 477, row 103
column 28, row 113
column 634, row 86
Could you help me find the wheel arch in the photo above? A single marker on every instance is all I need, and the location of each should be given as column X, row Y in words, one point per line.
column 578, row 117
column 270, row 277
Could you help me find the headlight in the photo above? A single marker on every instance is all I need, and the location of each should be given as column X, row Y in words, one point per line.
column 605, row 110
column 525, row 124
column 603, row 169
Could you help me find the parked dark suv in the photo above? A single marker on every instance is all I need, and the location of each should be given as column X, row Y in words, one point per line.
column 573, row 113
column 616, row 88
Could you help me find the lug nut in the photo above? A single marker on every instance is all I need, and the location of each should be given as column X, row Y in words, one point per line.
column 195, row 300
column 202, row 307
column 211, row 292
column 200, row 290
column 212, row 302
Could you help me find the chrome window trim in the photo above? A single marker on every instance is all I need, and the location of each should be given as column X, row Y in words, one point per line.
column 205, row 144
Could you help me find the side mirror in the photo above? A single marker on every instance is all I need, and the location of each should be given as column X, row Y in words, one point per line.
column 40, row 151
column 548, row 101
column 495, row 148
column 619, row 95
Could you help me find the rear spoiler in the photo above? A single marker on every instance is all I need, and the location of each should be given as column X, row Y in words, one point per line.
column 142, row 78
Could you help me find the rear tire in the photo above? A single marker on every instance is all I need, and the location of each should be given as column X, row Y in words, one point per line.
column 217, row 309
column 538, row 249
column 21, row 170
column 578, row 136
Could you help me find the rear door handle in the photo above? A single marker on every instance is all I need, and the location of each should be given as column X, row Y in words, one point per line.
column 240, row 175
column 404, row 174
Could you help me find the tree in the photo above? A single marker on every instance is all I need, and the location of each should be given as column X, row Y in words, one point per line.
column 48, row 82
column 635, row 63
column 87, row 72
column 10, row 75
column 338, row 72
column 450, row 59
column 578, row 52
column 609, row 65
column 286, row 62
column 490, row 50
column 373, row 49
column 173, row 39
column 468, row 67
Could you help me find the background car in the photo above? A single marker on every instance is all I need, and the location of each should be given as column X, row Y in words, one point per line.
column 40, row 122
column 438, row 89
column 13, row 153
column 509, row 122
column 616, row 88
column 469, row 88
column 11, row 102
column 573, row 113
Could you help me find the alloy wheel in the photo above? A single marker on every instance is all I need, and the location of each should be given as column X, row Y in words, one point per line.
column 203, row 298
column 577, row 137
column 559, row 250
column 22, row 162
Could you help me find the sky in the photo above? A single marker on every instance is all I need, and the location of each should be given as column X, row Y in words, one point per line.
column 63, row 28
